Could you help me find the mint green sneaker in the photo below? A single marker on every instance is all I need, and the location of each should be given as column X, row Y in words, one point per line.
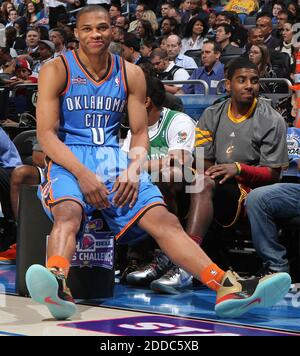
column 48, row 287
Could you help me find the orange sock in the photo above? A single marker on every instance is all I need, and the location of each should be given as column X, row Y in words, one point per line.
column 212, row 277
column 59, row 262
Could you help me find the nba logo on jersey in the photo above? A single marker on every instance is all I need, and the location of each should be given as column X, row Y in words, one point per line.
column 79, row 80
column 117, row 81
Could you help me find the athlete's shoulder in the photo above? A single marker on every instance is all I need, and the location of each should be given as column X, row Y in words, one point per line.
column 132, row 70
column 55, row 64
column 53, row 75
column 135, row 78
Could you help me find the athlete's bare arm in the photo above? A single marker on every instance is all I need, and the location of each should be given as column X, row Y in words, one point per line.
column 52, row 81
column 127, row 185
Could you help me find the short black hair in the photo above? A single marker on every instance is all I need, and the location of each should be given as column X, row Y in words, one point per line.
column 131, row 41
column 264, row 14
column 217, row 47
column 240, row 63
column 91, row 8
column 156, row 91
column 227, row 28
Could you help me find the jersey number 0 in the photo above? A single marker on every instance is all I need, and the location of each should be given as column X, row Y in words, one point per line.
column 98, row 136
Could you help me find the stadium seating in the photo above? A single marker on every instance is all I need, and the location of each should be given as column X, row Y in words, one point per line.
column 24, row 142
column 195, row 54
column 250, row 20
column 4, row 95
column 195, row 104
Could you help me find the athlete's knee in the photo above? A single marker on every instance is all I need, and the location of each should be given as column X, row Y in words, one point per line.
column 67, row 217
column 170, row 221
column 204, row 186
column 21, row 173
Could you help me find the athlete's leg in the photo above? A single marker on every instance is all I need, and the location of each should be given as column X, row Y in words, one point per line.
column 234, row 295
column 173, row 240
column 67, row 220
column 201, row 211
column 48, row 285
column 21, row 175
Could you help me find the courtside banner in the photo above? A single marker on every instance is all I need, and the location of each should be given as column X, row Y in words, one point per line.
column 95, row 247
column 293, row 143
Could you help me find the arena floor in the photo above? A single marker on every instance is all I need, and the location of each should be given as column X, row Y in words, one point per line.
column 144, row 313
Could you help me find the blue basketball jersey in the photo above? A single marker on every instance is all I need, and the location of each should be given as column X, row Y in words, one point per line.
column 91, row 111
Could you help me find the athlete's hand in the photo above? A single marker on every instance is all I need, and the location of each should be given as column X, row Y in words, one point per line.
column 126, row 188
column 222, row 170
column 95, row 191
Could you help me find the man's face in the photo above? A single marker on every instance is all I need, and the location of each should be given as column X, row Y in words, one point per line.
column 221, row 19
column 45, row 51
column 282, row 18
column 117, row 34
column 166, row 27
column 120, row 22
column 221, row 35
column 265, row 25
column 173, row 47
column 114, row 12
column 187, row 5
column 243, row 86
column 32, row 39
column 208, row 56
column 194, row 5
column 94, row 32
column 164, row 10
column 13, row 15
column 56, row 38
column 256, row 37
column 139, row 12
column 158, row 64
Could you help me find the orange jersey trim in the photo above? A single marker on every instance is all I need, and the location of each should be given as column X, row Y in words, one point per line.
column 89, row 76
column 68, row 75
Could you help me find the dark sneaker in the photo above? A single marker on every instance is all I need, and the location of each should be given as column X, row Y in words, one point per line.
column 48, row 287
column 265, row 271
column 133, row 265
column 237, row 296
column 175, row 281
column 151, row 271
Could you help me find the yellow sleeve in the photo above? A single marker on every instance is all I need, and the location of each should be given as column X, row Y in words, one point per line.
column 229, row 6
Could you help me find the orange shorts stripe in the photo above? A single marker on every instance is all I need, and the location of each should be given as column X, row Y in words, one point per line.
column 139, row 214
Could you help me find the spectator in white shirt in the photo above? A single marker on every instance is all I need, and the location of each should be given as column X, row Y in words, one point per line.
column 194, row 36
column 168, row 70
column 12, row 16
column 174, row 45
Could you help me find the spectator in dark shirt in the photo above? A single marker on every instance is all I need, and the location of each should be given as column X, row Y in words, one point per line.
column 264, row 22
column 131, row 49
column 223, row 37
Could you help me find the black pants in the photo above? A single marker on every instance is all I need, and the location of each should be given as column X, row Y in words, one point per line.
column 5, row 174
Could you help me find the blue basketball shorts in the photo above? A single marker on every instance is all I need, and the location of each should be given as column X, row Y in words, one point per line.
column 60, row 185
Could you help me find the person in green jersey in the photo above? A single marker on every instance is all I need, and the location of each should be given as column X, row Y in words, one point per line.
column 172, row 138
